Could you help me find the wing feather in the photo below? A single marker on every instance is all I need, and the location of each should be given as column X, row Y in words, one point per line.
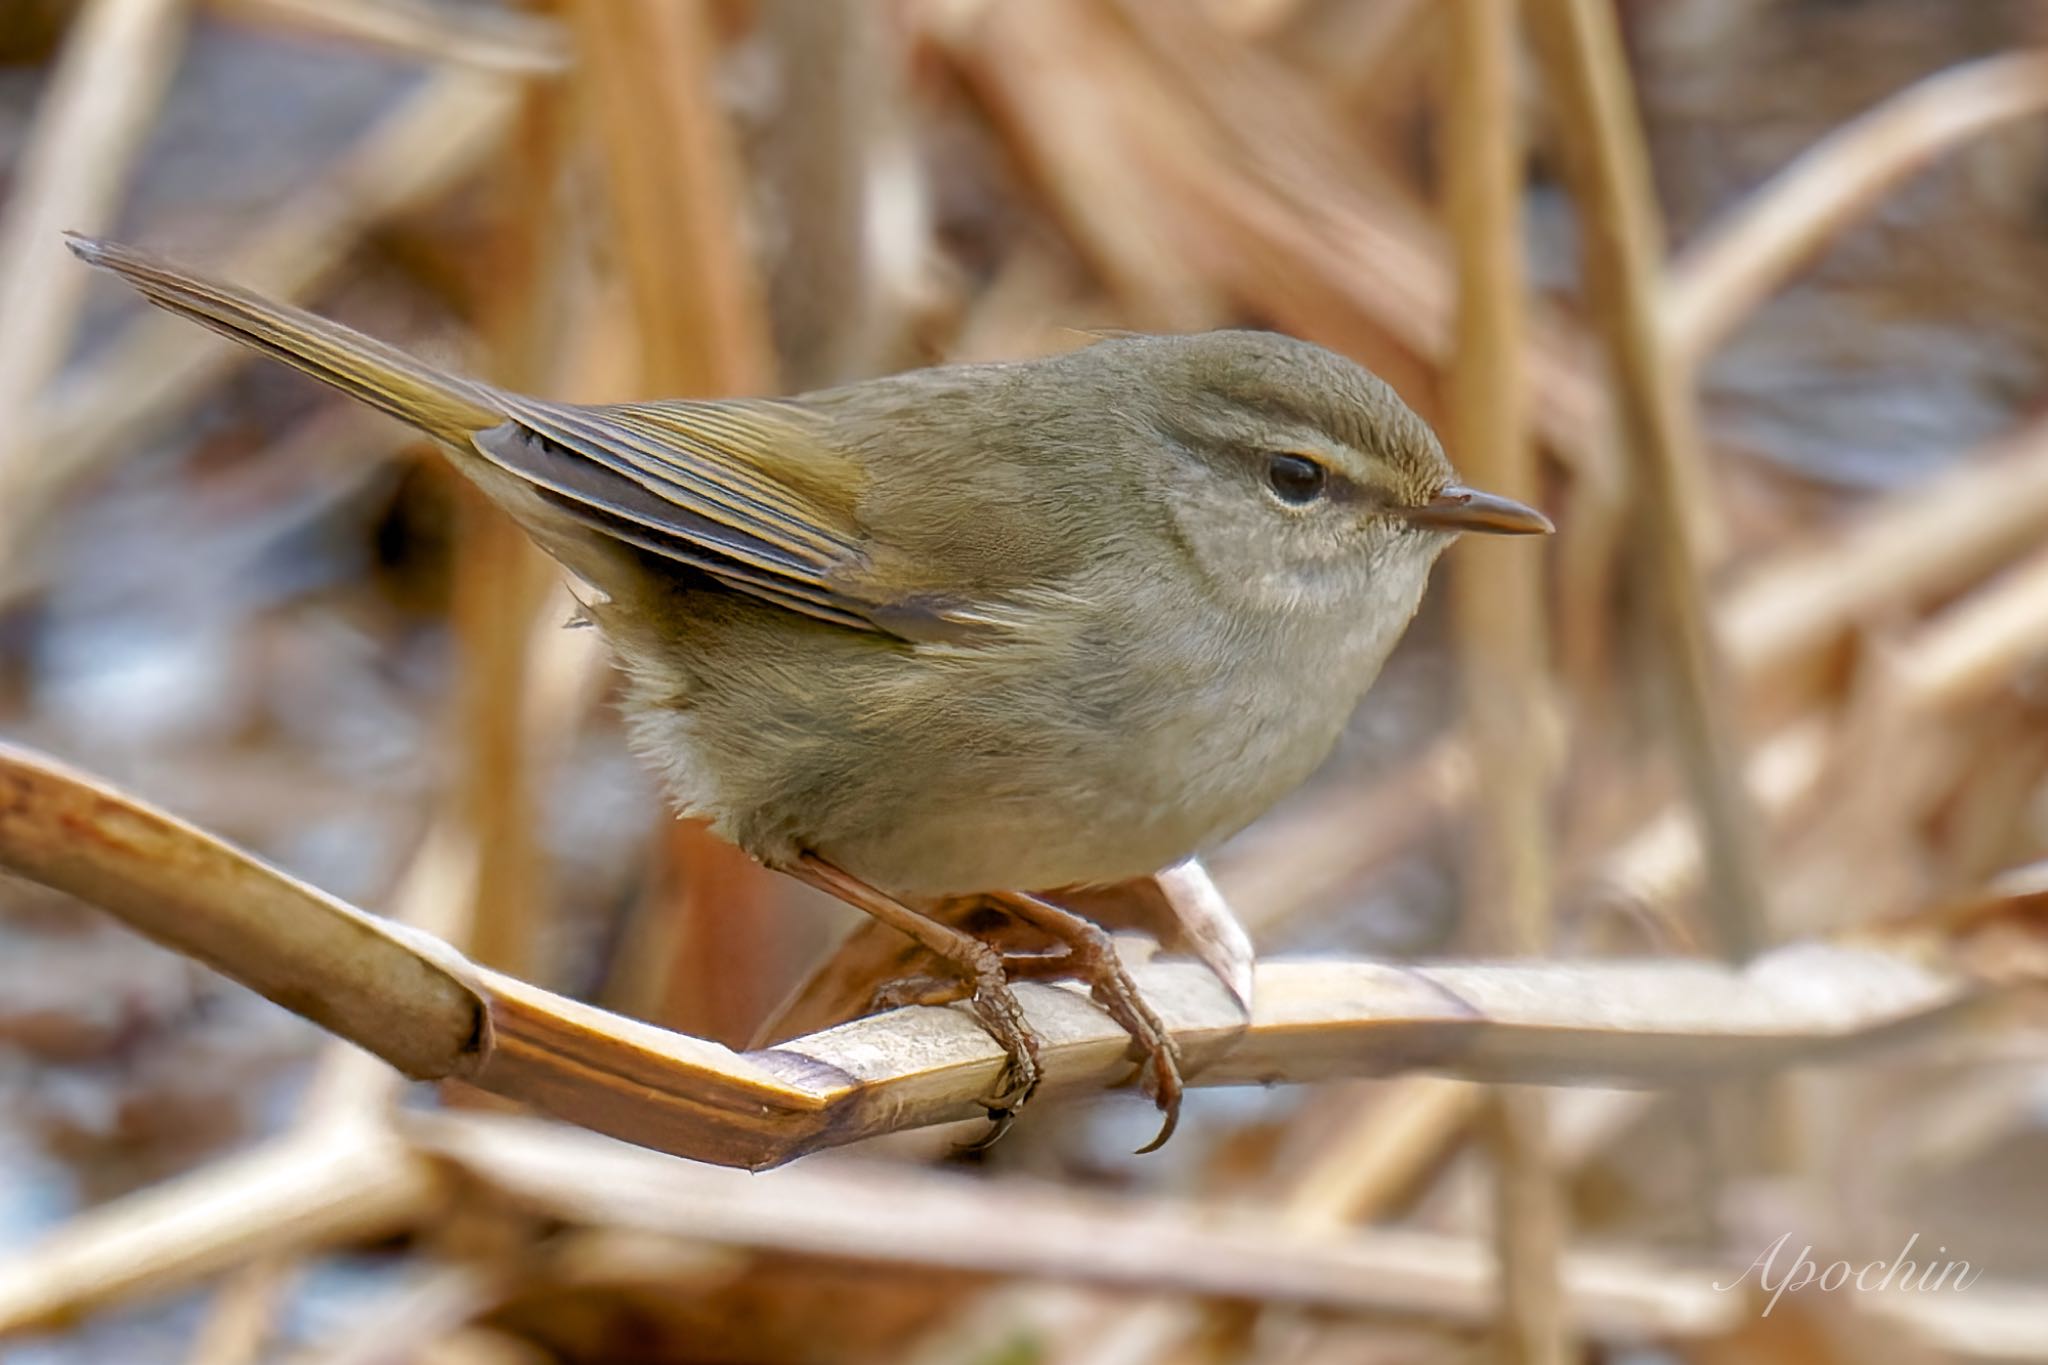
column 748, row 492
column 627, row 510
column 707, row 466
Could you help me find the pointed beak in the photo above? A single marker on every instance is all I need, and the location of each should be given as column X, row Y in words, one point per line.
column 1458, row 509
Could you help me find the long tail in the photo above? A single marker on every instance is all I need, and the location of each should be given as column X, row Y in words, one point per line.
column 440, row 404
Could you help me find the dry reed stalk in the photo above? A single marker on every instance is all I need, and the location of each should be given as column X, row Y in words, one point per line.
column 1498, row 599
column 1366, row 57
column 507, row 42
column 156, row 365
column 868, row 1212
column 345, row 969
column 922, row 1218
column 348, row 1183
column 1954, row 660
column 644, row 70
column 1589, row 85
column 501, row 585
column 707, row 939
column 842, row 172
column 911, row 1217
column 1736, row 263
column 416, row 1319
column 1594, row 510
column 238, row 1321
column 299, row 1196
column 1083, row 113
column 502, row 581
column 89, row 129
column 350, row 1092
column 501, row 591
column 1207, row 925
column 1905, row 549
column 1500, row 635
column 414, row 1001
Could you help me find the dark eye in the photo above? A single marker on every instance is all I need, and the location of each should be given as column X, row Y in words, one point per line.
column 1296, row 479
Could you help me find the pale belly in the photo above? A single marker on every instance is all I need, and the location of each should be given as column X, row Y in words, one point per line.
column 1086, row 805
column 927, row 781
column 1085, row 834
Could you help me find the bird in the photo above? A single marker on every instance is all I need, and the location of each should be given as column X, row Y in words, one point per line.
column 974, row 633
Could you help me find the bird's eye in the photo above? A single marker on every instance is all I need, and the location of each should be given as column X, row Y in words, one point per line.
column 1295, row 479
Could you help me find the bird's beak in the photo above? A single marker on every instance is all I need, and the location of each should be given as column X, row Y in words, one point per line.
column 1459, row 509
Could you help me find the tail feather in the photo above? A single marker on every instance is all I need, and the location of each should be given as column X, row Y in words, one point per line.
column 440, row 404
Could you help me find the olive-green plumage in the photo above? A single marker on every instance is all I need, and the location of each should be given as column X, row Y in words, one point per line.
column 1013, row 626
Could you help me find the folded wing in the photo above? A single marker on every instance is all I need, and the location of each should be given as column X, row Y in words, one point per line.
column 744, row 492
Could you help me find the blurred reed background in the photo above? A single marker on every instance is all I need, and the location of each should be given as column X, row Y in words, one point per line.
column 1749, row 293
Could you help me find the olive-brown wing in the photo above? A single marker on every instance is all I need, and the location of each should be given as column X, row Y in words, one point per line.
column 748, row 493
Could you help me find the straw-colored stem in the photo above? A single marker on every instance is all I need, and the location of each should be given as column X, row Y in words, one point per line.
column 839, row 168
column 350, row 1092
column 898, row 1216
column 702, row 950
column 89, row 128
column 306, row 1193
column 415, row 1001
column 502, row 581
column 158, row 364
column 300, row 1196
column 1498, row 599
column 644, row 68
column 1032, row 1229
column 1955, row 660
column 1622, row 243
column 1908, row 549
column 1497, row 584
column 507, row 42
column 1736, row 263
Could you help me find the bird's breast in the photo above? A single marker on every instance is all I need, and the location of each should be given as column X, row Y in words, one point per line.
column 1123, row 757
column 1091, row 756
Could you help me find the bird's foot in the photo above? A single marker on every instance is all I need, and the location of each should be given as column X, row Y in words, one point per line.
column 985, row 984
column 1091, row 956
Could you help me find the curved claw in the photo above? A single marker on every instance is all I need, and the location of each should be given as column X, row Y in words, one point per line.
column 1162, row 1082
column 1166, row 1127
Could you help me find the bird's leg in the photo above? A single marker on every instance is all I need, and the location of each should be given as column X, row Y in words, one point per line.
column 1091, row 956
column 981, row 967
